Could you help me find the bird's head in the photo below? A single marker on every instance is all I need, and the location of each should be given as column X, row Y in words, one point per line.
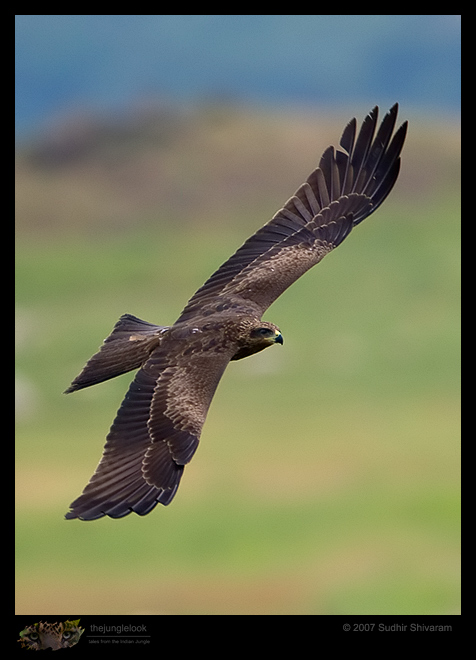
column 258, row 337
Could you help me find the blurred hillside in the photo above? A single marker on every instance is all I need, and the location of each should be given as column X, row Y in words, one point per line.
column 327, row 477
column 163, row 164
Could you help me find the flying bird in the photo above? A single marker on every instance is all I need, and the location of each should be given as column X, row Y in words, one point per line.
column 158, row 425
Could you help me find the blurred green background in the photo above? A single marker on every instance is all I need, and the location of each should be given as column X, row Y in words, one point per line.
column 327, row 478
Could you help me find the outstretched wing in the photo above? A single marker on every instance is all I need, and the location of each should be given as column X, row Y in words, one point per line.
column 156, row 431
column 347, row 187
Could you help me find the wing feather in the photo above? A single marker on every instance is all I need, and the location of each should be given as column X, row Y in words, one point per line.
column 349, row 184
column 155, row 433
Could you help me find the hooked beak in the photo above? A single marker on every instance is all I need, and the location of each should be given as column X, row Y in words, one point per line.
column 279, row 338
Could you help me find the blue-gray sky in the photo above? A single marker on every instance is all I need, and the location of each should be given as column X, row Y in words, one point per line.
column 70, row 62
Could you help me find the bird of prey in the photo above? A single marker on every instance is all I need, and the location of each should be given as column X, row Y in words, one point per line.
column 158, row 425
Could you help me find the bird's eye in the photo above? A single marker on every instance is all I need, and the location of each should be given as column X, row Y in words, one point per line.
column 262, row 332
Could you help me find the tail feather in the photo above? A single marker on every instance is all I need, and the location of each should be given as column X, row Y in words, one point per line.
column 125, row 349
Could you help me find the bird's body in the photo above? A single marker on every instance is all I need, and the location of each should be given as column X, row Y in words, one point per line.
column 158, row 426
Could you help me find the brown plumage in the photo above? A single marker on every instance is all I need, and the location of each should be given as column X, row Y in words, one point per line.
column 158, row 426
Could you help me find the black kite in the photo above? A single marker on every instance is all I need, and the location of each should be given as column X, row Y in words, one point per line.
column 158, row 426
